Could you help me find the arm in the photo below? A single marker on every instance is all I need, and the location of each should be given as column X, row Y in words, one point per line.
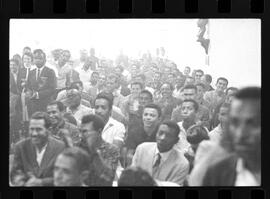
column 181, row 174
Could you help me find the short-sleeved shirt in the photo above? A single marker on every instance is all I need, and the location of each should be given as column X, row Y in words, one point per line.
column 137, row 135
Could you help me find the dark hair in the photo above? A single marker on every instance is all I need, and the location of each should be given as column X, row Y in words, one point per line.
column 80, row 156
column 200, row 84
column 136, row 83
column 188, row 67
column 172, row 125
column 248, row 93
column 195, row 104
column 231, row 88
column 199, row 70
column 59, row 105
column 171, row 86
column 42, row 116
column 148, row 93
column 15, row 61
column 113, row 76
column 154, row 106
column 106, row 96
column 98, row 122
column 190, row 86
column 224, row 79
column 39, row 51
column 135, row 176
column 200, row 135
column 208, row 78
column 74, row 84
column 27, row 47
column 95, row 72
column 29, row 55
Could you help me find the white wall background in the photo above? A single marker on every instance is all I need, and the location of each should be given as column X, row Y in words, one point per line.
column 235, row 44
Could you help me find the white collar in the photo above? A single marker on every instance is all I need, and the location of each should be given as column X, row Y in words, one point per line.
column 164, row 155
column 40, row 69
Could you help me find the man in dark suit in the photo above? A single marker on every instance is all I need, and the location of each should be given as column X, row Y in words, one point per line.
column 244, row 131
column 41, row 82
column 34, row 156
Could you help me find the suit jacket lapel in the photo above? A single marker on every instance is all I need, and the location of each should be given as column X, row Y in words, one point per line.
column 46, row 157
column 33, row 157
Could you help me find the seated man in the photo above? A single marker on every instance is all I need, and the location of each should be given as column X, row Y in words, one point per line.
column 244, row 167
column 91, row 129
column 58, row 125
column 143, row 133
column 71, row 168
column 160, row 159
column 34, row 156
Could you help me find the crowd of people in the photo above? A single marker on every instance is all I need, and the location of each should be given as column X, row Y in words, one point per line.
column 129, row 122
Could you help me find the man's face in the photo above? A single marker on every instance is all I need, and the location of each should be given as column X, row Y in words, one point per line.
column 156, row 77
column 102, row 108
column 94, row 77
column 39, row 59
column 188, row 110
column 111, row 84
column 200, row 92
column 189, row 80
column 54, row 113
column 27, row 61
column 171, row 78
column 13, row 67
column 144, row 99
column 165, row 138
column 38, row 132
column 89, row 134
column 186, row 71
column 135, row 89
column 73, row 97
column 65, row 172
column 221, row 85
column 198, row 76
column 101, row 80
column 245, row 127
column 189, row 94
column 150, row 117
column 166, row 90
column 66, row 55
column 223, row 116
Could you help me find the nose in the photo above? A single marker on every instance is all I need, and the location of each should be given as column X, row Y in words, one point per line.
column 240, row 133
column 162, row 137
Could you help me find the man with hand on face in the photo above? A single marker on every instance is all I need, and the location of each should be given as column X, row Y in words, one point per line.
column 114, row 131
column 71, row 168
column 103, row 152
column 146, row 132
column 59, row 127
column 34, row 156
column 41, row 82
column 160, row 159
column 243, row 167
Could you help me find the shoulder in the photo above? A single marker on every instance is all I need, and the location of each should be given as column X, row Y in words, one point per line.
column 115, row 123
column 23, row 143
column 181, row 160
column 146, row 145
column 56, row 143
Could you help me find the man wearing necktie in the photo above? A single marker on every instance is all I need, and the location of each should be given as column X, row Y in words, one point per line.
column 160, row 159
column 41, row 82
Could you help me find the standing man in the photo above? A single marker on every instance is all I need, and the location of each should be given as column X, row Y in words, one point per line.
column 41, row 82
column 207, row 80
column 34, row 156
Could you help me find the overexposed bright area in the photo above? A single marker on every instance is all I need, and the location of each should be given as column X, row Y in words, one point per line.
column 235, row 44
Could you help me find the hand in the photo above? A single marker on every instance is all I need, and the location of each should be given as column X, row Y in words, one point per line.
column 34, row 182
column 19, row 180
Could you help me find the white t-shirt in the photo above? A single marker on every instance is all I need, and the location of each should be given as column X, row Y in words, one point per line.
column 113, row 130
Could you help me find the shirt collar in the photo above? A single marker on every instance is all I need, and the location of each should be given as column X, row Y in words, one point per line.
column 43, row 149
column 41, row 68
column 164, row 155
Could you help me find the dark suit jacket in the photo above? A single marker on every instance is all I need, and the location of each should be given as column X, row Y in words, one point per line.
column 25, row 160
column 13, row 84
column 222, row 173
column 45, row 87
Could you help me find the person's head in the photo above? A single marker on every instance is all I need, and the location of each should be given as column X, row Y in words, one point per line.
column 112, row 83
column 200, row 90
column 91, row 129
column 206, row 79
column 27, row 59
column 167, row 135
column 140, row 78
column 77, row 85
column 14, row 65
column 157, row 76
column 101, row 80
column 135, row 176
column 94, row 77
column 26, row 49
column 187, row 70
column 92, row 52
column 231, row 91
column 196, row 134
column 245, row 124
column 145, row 97
column 166, row 89
column 39, row 58
column 189, row 109
column 103, row 105
column 221, row 84
column 55, row 111
column 136, row 88
column 223, row 114
column 151, row 115
column 198, row 74
column 119, row 69
column 189, row 92
column 38, row 128
column 71, row 167
column 189, row 80
column 73, row 98
column 171, row 78
column 180, row 81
